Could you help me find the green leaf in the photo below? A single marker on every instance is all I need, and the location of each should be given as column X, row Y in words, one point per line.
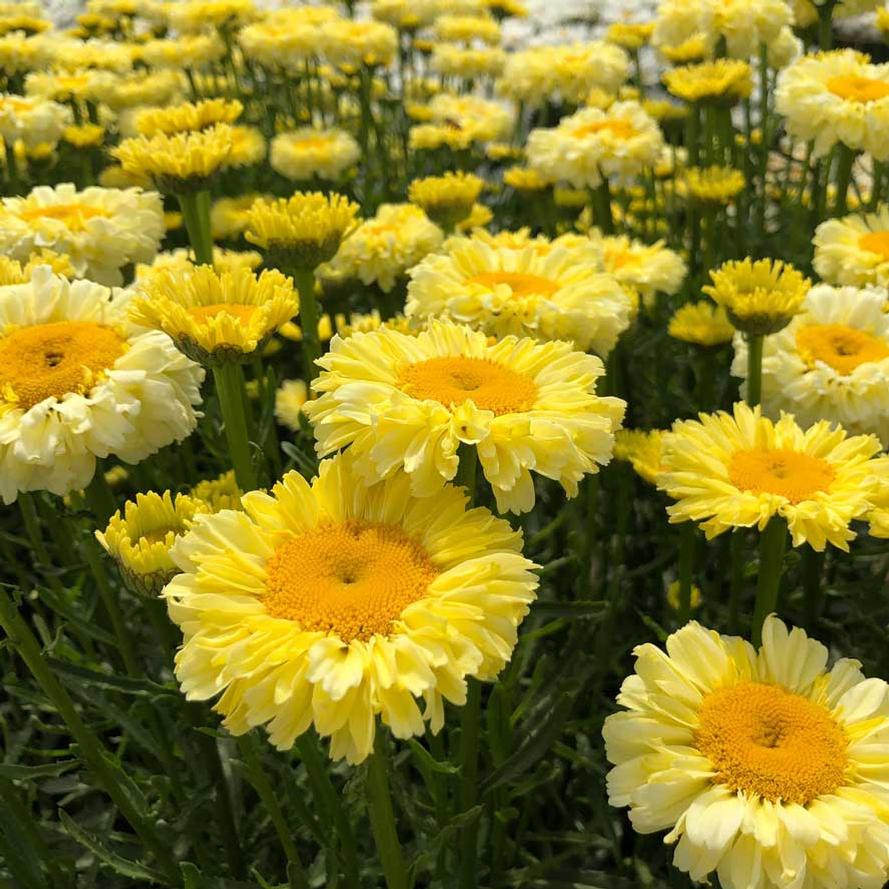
column 133, row 870
column 122, row 684
column 428, row 760
column 16, row 772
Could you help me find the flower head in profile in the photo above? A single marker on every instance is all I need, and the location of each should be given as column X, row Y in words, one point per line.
column 302, row 155
column 630, row 35
column 140, row 537
column 738, row 470
column 177, row 164
column 373, row 602
column 33, row 120
column 648, row 269
column 186, row 117
column 760, row 297
column 301, row 231
column 642, row 450
column 724, row 82
column 79, row 382
column 216, row 317
column 352, row 44
column 854, row 249
column 400, row 401
column 448, row 199
column 99, row 230
column 510, row 285
column 712, row 186
column 831, row 362
column 701, row 324
column 218, row 493
column 764, row 766
column 289, row 401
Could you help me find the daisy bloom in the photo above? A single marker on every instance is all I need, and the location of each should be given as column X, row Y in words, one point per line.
column 214, row 317
column 554, row 293
column 383, row 248
column 351, row 44
column 181, row 262
column 714, row 186
column 35, row 121
column 248, row 147
column 723, row 82
column 446, row 199
column 765, row 766
column 306, row 153
column 467, row 62
column 592, row 144
column 525, row 179
column 99, row 230
column 831, row 362
column 408, row 402
column 648, row 269
column 630, row 35
column 642, row 450
column 139, row 539
column 738, row 470
column 178, row 164
column 195, row 51
column 760, row 297
column 301, row 231
column 854, row 249
column 408, row 15
column 187, row 117
column 228, row 216
column 219, row 493
column 198, row 15
column 836, row 97
column 478, row 119
column 359, row 601
column 701, row 324
column 289, row 400
column 79, row 382
column 286, row 38
column 467, row 29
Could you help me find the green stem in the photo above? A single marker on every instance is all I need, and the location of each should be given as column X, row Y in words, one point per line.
column 772, row 542
column 329, row 805
column 467, row 471
column 467, row 878
column 195, row 208
column 602, row 207
column 687, row 539
column 825, row 26
column 31, row 521
column 845, row 160
column 90, row 749
column 382, row 816
column 309, row 314
column 229, row 380
column 754, row 368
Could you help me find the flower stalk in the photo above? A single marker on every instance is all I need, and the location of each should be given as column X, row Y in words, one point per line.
column 772, row 543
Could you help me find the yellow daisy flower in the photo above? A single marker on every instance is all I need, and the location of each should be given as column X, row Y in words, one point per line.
column 248, row 147
column 289, row 400
column 836, row 97
column 139, row 540
column 701, row 324
column 198, row 15
column 712, row 185
column 180, row 163
column 467, row 29
column 372, row 600
column 88, row 135
column 228, row 216
column 306, row 153
column 405, row 401
column 630, row 35
column 830, row 363
column 216, row 317
column 99, row 230
column 556, row 292
column 648, row 269
column 723, row 82
column 765, row 766
column 79, row 382
column 352, row 44
column 383, row 248
column 760, row 297
column 642, row 449
column 525, row 179
column 854, row 249
column 467, row 62
column 592, row 144
column 181, row 262
column 478, row 119
column 219, row 493
column 187, row 117
column 738, row 470
column 694, row 49
column 286, row 38
column 407, row 15
column 301, row 231
column 446, row 199
column 193, row 51
column 35, row 121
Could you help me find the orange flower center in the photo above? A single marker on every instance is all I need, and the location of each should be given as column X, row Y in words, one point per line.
column 784, row 472
column 858, row 89
column 520, row 283
column 875, row 242
column 74, row 216
column 843, row 348
column 53, row 360
column 353, row 579
column 767, row 741
column 620, row 129
column 236, row 310
column 452, row 381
